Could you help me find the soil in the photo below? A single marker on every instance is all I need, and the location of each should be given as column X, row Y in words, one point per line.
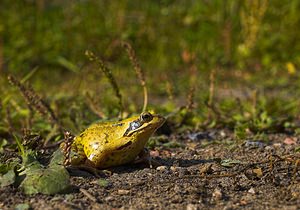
column 257, row 175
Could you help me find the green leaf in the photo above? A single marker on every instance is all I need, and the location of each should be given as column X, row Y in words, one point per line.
column 49, row 181
column 8, row 178
column 29, row 75
column 3, row 142
column 103, row 182
column 9, row 165
column 229, row 162
column 20, row 146
column 22, row 206
column 29, row 158
column 68, row 64
column 173, row 144
column 58, row 158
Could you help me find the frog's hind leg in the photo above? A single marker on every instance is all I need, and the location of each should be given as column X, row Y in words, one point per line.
column 90, row 169
column 145, row 157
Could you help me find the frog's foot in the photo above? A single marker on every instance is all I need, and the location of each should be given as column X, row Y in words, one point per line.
column 145, row 157
column 94, row 171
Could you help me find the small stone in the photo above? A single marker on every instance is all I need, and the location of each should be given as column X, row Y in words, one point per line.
column 177, row 199
column 199, row 136
column 258, row 172
column 123, row 192
column 217, row 194
column 277, row 145
column 223, row 133
column 206, row 169
column 109, row 198
column 269, row 148
column 191, row 207
column 174, row 168
column 254, row 144
column 290, row 140
column 251, row 190
column 161, row 168
column 154, row 153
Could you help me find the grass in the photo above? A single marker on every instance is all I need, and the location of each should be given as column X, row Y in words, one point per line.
column 203, row 65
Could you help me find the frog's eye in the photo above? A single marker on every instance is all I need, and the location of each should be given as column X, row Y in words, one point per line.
column 146, row 117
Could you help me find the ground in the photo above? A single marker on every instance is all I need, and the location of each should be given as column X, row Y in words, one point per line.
column 209, row 170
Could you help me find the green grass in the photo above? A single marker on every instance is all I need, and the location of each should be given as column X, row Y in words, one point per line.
column 178, row 45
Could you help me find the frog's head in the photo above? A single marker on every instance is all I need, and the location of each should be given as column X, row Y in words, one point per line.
column 144, row 125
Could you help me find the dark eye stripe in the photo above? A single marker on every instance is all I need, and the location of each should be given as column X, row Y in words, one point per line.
column 124, row 146
column 133, row 126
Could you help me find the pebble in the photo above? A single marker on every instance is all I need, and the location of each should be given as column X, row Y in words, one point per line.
column 277, row 145
column 191, row 207
column 175, row 168
column 254, row 144
column 223, row 133
column 217, row 194
column 161, row 168
column 199, row 136
column 206, row 169
column 123, row 192
column 290, row 140
column 251, row 190
column 269, row 148
column 109, row 198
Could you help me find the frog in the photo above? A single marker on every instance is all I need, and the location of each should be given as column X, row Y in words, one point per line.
column 108, row 144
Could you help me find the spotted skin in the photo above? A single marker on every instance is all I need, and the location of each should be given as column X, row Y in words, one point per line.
column 109, row 144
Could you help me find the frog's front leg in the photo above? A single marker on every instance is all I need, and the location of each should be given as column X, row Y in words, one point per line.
column 145, row 157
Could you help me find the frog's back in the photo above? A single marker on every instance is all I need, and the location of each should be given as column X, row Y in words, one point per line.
column 96, row 139
column 102, row 133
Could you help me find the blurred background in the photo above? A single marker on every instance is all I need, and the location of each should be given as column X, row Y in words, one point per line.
column 242, row 57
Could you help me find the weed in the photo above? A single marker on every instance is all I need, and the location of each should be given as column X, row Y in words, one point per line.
column 138, row 71
column 34, row 101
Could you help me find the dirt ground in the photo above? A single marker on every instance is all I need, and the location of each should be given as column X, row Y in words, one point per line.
column 257, row 175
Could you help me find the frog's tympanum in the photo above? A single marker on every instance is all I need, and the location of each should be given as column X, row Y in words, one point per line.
column 104, row 145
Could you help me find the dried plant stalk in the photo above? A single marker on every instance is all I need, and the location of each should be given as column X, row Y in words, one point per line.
column 190, row 99
column 9, row 120
column 211, row 99
column 66, row 147
column 191, row 95
column 251, row 20
column 138, row 71
column 169, row 89
column 254, row 102
column 35, row 101
column 93, row 106
column 211, row 87
column 108, row 74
